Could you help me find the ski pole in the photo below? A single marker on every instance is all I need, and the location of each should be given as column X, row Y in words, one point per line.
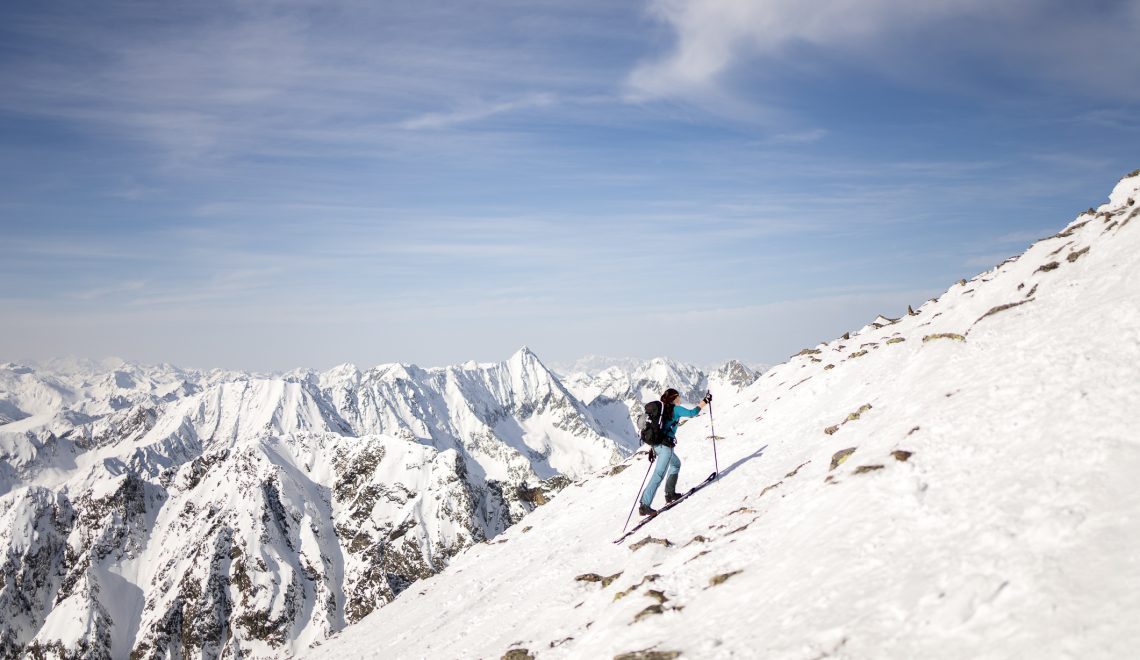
column 643, row 480
column 712, row 427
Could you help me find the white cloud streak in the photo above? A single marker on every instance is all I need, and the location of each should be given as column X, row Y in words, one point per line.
column 476, row 112
column 1038, row 39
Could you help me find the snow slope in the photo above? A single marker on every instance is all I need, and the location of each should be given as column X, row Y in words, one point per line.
column 954, row 483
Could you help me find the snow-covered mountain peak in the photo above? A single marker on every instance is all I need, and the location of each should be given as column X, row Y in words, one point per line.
column 342, row 373
column 733, row 374
column 523, row 354
column 528, row 372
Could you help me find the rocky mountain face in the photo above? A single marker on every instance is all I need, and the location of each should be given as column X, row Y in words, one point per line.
column 156, row 512
column 955, row 481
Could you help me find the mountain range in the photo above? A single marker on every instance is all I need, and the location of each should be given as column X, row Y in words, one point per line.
column 153, row 511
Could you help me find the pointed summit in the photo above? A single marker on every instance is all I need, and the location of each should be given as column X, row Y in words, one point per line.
column 736, row 374
column 525, row 358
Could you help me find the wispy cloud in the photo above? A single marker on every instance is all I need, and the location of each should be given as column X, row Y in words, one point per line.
column 475, row 112
column 799, row 137
column 240, row 79
column 99, row 293
column 1034, row 39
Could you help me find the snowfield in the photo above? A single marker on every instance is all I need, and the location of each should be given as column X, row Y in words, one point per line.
column 956, row 483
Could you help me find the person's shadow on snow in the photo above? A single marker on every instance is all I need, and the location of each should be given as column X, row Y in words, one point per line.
column 741, row 461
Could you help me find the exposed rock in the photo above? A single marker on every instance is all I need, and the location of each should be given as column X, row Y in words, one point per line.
column 648, row 654
column 768, row 488
column 944, row 335
column 541, row 494
column 720, row 579
column 594, row 577
column 1069, row 232
column 838, row 457
column 1002, row 308
column 652, row 577
column 649, row 539
column 1073, row 256
column 648, row 612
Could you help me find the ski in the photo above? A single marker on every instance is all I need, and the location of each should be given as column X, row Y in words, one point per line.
column 644, row 521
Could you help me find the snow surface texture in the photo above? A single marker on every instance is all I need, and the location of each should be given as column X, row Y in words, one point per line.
column 152, row 511
column 956, row 483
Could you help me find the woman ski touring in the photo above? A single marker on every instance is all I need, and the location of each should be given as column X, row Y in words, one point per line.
column 668, row 464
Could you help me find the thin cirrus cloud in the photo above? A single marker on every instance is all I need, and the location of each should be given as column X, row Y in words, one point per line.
column 476, row 112
column 1081, row 45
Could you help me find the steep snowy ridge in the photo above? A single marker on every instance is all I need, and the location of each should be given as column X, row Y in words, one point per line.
column 158, row 512
column 956, row 482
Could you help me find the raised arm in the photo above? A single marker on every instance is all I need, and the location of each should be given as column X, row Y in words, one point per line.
column 681, row 411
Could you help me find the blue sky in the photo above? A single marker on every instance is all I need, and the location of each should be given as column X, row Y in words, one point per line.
column 270, row 185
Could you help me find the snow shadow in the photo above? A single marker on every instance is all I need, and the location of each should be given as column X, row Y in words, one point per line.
column 741, row 461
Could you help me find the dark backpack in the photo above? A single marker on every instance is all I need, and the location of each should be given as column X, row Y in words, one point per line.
column 649, row 424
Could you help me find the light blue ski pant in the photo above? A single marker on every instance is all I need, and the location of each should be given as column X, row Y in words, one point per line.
column 666, row 467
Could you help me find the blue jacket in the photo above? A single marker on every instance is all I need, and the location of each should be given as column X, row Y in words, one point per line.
column 679, row 413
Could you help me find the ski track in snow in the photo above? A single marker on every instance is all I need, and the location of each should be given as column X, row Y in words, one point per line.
column 986, row 510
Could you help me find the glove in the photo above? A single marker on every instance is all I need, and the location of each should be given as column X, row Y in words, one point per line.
column 708, row 397
column 652, row 454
